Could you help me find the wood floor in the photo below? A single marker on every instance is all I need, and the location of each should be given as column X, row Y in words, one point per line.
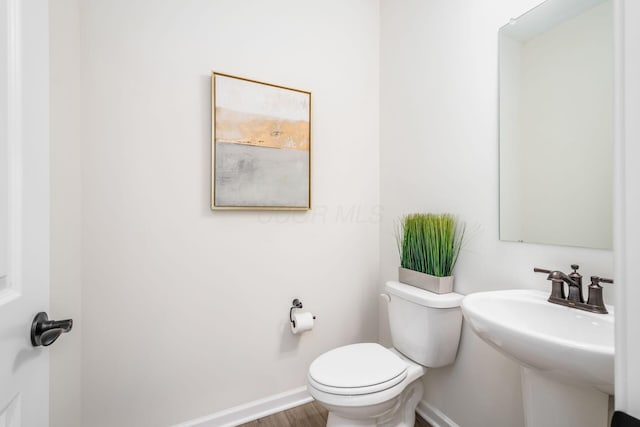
column 309, row 415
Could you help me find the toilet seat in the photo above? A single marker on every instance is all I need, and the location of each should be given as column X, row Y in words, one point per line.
column 357, row 369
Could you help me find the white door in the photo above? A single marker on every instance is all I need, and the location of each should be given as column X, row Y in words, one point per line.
column 24, row 210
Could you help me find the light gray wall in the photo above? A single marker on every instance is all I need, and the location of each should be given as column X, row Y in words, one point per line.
column 439, row 153
column 185, row 310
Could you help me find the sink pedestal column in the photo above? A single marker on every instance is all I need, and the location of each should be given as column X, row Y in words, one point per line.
column 550, row 403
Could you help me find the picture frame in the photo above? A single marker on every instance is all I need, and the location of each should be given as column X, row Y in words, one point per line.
column 260, row 145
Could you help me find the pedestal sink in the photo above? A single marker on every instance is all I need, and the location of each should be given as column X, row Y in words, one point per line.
column 566, row 354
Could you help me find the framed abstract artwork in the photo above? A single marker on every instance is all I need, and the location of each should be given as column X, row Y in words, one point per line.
column 261, row 145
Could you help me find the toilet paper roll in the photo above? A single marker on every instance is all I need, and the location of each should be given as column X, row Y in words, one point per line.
column 303, row 322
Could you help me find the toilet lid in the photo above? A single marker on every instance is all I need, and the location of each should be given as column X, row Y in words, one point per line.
column 357, row 369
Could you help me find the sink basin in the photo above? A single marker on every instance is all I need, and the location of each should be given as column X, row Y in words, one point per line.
column 563, row 343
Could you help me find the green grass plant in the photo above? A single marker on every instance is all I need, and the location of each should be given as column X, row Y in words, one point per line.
column 430, row 243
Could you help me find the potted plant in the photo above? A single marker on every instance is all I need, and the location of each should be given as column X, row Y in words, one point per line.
column 429, row 245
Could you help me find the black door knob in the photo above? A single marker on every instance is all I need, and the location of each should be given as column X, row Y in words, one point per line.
column 45, row 332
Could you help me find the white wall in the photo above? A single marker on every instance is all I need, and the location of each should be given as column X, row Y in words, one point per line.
column 439, row 152
column 169, row 287
column 185, row 310
column 627, row 230
column 4, row 165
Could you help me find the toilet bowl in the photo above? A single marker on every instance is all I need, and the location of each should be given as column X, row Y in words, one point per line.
column 366, row 384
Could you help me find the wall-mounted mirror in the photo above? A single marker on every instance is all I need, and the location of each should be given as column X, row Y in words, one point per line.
column 556, row 124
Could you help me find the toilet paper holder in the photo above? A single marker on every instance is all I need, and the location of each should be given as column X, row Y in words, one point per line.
column 296, row 303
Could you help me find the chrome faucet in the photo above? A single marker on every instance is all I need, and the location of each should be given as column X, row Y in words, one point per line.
column 595, row 302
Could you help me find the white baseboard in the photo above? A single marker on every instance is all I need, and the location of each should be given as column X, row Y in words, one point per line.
column 434, row 416
column 253, row 410
column 289, row 399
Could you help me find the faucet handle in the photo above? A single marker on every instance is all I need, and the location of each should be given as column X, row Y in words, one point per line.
column 595, row 294
column 575, row 267
column 557, row 286
column 596, row 280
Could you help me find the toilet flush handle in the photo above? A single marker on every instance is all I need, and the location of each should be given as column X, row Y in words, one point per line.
column 386, row 297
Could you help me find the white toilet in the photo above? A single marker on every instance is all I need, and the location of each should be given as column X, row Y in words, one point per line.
column 368, row 385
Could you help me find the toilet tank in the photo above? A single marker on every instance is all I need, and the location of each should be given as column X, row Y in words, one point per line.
column 425, row 326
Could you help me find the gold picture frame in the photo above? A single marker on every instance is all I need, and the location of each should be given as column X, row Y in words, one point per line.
column 260, row 145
